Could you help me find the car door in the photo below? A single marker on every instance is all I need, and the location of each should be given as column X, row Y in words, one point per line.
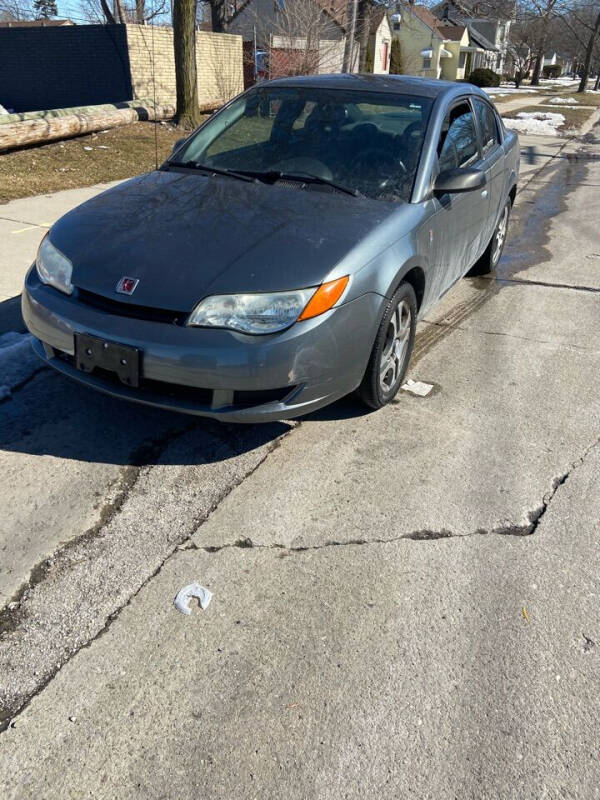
column 459, row 218
column 492, row 161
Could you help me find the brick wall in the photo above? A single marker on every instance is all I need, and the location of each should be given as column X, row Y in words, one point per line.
column 60, row 67
column 218, row 58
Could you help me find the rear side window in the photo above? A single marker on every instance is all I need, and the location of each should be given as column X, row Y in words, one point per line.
column 487, row 124
column 458, row 140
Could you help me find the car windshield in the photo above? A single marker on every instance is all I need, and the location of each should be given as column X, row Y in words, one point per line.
column 368, row 142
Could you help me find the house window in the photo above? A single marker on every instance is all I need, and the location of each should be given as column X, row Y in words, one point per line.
column 426, row 63
column 396, row 26
column 461, row 60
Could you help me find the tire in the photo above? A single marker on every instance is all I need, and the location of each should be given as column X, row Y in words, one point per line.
column 490, row 258
column 392, row 348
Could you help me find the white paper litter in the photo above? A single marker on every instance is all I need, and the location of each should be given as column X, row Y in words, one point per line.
column 182, row 601
column 102, row 147
column 417, row 387
column 17, row 361
column 88, row 148
column 542, row 123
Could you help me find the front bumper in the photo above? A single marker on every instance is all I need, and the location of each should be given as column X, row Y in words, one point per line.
column 213, row 373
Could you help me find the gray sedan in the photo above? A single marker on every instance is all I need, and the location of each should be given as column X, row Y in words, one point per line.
column 280, row 258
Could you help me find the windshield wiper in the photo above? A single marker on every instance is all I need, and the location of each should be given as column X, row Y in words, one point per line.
column 304, row 177
column 230, row 173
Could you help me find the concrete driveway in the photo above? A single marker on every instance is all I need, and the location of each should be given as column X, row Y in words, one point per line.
column 405, row 602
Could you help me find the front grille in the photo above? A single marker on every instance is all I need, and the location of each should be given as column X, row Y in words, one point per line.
column 132, row 310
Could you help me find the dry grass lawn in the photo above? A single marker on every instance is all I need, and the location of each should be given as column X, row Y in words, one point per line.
column 116, row 154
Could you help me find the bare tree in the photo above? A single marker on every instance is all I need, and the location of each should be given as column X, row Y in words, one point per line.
column 15, row 10
column 584, row 24
column 223, row 12
column 301, row 37
column 186, row 78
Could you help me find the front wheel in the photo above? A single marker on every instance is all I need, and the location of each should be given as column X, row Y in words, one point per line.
column 489, row 260
column 392, row 349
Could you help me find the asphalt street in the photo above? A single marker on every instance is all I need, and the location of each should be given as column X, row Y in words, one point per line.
column 405, row 603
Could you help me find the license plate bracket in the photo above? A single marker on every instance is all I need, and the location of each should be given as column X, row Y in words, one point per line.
column 92, row 352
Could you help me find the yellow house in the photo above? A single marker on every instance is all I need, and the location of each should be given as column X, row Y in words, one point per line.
column 427, row 47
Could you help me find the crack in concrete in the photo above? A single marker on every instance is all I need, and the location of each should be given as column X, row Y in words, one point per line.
column 547, row 284
column 508, row 335
column 129, row 475
column 10, row 711
column 422, row 535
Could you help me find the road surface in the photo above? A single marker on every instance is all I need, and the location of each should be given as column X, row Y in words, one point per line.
column 405, row 603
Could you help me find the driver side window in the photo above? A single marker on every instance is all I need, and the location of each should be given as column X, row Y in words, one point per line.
column 458, row 140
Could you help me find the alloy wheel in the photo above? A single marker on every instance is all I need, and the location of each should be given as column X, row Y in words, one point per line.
column 500, row 236
column 395, row 349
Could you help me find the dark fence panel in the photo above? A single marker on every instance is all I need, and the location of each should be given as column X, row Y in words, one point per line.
column 78, row 65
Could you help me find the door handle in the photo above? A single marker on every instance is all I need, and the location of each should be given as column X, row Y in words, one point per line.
column 484, row 193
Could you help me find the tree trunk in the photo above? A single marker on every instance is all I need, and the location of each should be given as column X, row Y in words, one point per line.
column 119, row 12
column 186, row 79
column 535, row 78
column 48, row 129
column 217, row 16
column 588, row 56
column 364, row 13
column 350, row 34
column 140, row 11
column 597, row 84
column 107, row 12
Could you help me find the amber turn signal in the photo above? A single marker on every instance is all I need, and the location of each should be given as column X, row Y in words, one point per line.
column 324, row 298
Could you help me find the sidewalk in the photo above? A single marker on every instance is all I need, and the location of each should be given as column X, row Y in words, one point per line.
column 22, row 226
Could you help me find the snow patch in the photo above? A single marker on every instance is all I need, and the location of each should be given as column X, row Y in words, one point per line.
column 18, row 362
column 541, row 123
column 563, row 101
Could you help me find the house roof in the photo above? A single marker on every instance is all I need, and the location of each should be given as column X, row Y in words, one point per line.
column 452, row 32
column 425, row 15
column 480, row 40
column 337, row 10
column 376, row 19
column 36, row 23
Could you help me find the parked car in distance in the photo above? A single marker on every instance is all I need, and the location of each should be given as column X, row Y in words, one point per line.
column 280, row 258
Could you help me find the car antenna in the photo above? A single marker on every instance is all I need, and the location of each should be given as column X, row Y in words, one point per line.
column 154, row 99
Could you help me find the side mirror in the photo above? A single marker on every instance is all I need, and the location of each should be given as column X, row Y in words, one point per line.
column 178, row 144
column 459, row 180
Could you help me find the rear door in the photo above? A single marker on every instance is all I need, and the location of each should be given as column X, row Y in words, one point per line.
column 492, row 161
column 459, row 220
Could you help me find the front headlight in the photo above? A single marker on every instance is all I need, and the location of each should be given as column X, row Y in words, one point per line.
column 53, row 268
column 266, row 313
column 251, row 313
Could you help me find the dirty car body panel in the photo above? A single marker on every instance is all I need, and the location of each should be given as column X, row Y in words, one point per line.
column 365, row 214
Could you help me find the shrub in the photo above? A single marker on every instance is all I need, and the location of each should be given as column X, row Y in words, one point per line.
column 552, row 71
column 396, row 58
column 484, row 77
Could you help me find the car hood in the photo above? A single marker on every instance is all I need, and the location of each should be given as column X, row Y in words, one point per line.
column 185, row 236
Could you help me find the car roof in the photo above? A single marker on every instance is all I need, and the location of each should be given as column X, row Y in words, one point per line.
column 397, row 84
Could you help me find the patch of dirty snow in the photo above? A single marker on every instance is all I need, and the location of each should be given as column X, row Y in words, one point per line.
column 18, row 362
column 541, row 123
column 499, row 91
column 563, row 101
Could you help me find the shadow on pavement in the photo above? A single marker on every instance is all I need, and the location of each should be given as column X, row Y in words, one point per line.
column 10, row 316
column 54, row 416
